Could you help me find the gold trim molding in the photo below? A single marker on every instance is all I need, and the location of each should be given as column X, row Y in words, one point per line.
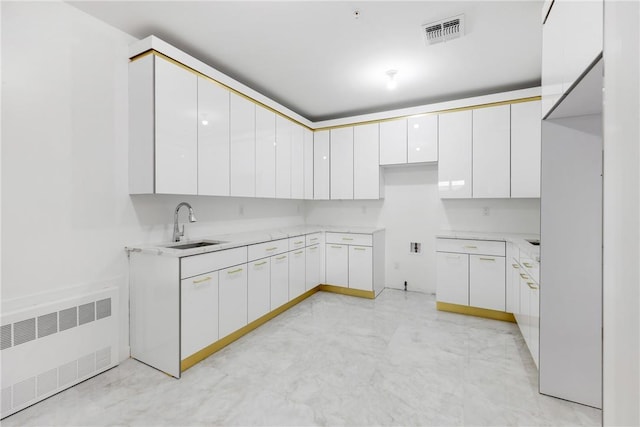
column 475, row 311
column 222, row 343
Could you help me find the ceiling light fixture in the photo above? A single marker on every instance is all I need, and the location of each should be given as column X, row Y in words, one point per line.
column 392, row 83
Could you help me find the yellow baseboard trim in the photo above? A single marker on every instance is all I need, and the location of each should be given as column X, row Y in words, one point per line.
column 222, row 343
column 348, row 291
column 475, row 311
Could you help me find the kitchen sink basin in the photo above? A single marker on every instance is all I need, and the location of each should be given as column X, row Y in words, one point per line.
column 192, row 245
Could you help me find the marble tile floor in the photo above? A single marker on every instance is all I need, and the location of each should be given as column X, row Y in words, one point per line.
column 333, row 360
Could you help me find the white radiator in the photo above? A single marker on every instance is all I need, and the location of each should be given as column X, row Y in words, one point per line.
column 47, row 347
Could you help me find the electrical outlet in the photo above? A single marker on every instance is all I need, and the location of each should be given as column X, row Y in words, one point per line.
column 486, row 211
column 415, row 248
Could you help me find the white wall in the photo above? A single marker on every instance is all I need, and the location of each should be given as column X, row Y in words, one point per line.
column 621, row 224
column 66, row 211
column 413, row 212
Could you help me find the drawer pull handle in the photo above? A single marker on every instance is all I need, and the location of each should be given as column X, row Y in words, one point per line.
column 487, row 259
column 271, row 249
column 313, row 248
column 297, row 253
column 515, row 266
column 532, row 285
column 347, row 238
column 471, row 247
column 335, row 247
column 524, row 276
column 313, row 239
column 258, row 264
column 526, row 264
column 299, row 242
column 237, row 270
column 359, row 249
column 281, row 257
column 204, row 279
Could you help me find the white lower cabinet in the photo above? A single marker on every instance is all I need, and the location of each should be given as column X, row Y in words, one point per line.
column 258, row 289
column 233, row 299
column 471, row 272
column 528, row 316
column 452, row 278
column 337, row 264
column 487, row 282
column 279, row 280
column 198, row 312
column 361, row 267
column 297, row 280
column 313, row 266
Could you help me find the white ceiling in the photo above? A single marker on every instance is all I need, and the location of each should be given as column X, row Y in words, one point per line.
column 318, row 60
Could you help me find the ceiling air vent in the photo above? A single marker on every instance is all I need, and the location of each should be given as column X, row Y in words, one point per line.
column 441, row 31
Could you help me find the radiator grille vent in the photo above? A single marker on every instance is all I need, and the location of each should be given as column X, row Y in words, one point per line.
column 86, row 313
column 68, row 318
column 441, row 31
column 24, row 331
column 103, row 308
column 6, row 337
column 47, row 324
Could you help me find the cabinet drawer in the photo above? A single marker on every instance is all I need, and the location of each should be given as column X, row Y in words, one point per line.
column 313, row 239
column 212, row 261
column 262, row 250
column 297, row 242
column 480, row 247
column 350, row 239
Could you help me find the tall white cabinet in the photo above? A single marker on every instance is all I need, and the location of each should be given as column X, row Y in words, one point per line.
column 455, row 156
column 243, row 149
column 491, row 152
column 341, row 163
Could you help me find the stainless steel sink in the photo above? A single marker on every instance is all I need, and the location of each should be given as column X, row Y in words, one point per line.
column 192, row 245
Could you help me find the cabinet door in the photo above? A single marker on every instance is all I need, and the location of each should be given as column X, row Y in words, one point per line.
column 176, row 149
column 337, row 265
column 213, row 139
column 232, row 299
column 513, row 295
column 297, row 162
column 297, row 280
column 283, row 157
column 279, row 280
column 422, row 139
column 534, row 321
column 525, row 149
column 342, row 163
column 454, row 158
column 265, row 153
column 552, row 58
column 312, row 267
column 361, row 267
column 393, row 142
column 198, row 313
column 491, row 152
column 258, row 289
column 321, row 160
column 487, row 282
column 452, row 278
column 525, row 308
column 307, row 139
column 366, row 168
column 243, row 147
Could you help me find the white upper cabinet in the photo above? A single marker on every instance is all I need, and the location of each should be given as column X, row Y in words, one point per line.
column 491, row 152
column 454, row 146
column 342, row 163
column 283, row 157
column 307, row 142
column 525, row 149
column 321, row 161
column 265, row 153
column 213, row 139
column 571, row 41
column 366, row 169
column 393, row 142
column 243, row 148
column 422, row 139
column 297, row 161
column 176, row 131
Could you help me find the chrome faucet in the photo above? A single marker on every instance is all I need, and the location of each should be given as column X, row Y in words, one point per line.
column 177, row 234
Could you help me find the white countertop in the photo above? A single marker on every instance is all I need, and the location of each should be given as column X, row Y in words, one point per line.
column 519, row 240
column 234, row 240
